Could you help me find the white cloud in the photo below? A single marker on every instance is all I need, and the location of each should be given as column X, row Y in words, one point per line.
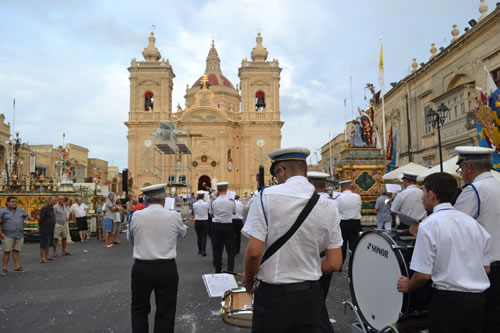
column 68, row 71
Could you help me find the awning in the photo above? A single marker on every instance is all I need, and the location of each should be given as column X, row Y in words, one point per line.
column 449, row 166
column 396, row 175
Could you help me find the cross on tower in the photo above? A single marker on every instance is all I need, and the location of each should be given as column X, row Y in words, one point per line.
column 204, row 81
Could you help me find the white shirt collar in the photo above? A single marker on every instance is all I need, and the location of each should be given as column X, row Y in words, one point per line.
column 296, row 179
column 442, row 206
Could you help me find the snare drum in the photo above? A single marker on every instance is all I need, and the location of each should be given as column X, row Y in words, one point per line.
column 237, row 307
column 379, row 259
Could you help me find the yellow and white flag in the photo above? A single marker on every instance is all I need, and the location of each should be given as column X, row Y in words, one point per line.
column 381, row 68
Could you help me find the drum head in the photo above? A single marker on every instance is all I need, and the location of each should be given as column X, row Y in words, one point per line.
column 374, row 271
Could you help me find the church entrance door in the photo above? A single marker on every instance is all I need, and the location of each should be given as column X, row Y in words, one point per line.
column 204, row 182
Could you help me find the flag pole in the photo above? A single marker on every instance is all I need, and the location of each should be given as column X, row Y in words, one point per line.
column 13, row 133
column 383, row 120
column 345, row 119
column 352, row 105
column 381, row 81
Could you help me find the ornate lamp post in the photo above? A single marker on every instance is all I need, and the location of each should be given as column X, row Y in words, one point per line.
column 437, row 119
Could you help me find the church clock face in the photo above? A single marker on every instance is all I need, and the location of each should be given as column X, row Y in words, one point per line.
column 260, row 142
column 148, row 143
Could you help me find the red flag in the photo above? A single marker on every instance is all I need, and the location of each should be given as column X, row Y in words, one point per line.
column 389, row 151
column 484, row 98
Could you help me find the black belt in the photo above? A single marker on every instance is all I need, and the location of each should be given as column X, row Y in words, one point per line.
column 288, row 288
column 154, row 261
column 495, row 264
column 453, row 292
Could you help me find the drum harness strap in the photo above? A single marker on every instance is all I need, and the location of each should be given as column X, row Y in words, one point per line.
column 477, row 196
column 300, row 219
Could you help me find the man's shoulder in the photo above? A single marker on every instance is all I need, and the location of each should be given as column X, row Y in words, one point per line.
column 414, row 189
column 293, row 189
column 488, row 181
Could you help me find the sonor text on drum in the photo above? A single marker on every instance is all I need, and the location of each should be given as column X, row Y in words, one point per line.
column 378, row 250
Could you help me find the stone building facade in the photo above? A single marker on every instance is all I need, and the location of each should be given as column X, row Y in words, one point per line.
column 330, row 154
column 450, row 76
column 97, row 169
column 226, row 131
column 46, row 159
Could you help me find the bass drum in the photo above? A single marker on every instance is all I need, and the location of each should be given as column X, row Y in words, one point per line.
column 379, row 259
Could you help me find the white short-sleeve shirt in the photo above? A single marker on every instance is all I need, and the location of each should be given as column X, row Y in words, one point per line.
column 238, row 210
column 249, row 202
column 409, row 202
column 489, row 214
column 200, row 210
column 79, row 210
column 155, row 231
column 453, row 248
column 222, row 208
column 349, row 205
column 299, row 258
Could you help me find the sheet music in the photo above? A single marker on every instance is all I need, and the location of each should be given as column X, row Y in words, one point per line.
column 217, row 284
column 393, row 188
column 169, row 203
column 231, row 194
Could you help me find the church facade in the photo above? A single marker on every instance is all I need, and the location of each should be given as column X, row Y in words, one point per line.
column 225, row 131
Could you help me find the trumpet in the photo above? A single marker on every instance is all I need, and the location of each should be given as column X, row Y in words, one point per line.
column 388, row 202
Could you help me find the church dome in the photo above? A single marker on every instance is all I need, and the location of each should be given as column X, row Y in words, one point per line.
column 215, row 79
column 227, row 97
column 213, row 71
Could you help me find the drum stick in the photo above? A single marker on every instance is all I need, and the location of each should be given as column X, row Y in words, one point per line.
column 234, row 273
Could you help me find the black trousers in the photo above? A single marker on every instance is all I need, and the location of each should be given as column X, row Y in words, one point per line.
column 493, row 300
column 456, row 312
column 324, row 324
column 201, row 227
column 223, row 236
column 160, row 276
column 350, row 230
column 237, row 225
column 81, row 223
column 278, row 311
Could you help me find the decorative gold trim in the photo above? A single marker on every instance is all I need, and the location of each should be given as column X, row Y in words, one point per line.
column 354, row 182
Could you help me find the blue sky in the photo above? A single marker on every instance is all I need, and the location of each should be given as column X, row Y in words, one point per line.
column 66, row 62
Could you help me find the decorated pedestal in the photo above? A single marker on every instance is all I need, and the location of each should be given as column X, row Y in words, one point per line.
column 365, row 168
column 65, row 186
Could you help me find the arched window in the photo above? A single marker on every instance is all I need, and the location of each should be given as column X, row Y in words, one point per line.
column 229, row 154
column 260, row 101
column 148, row 101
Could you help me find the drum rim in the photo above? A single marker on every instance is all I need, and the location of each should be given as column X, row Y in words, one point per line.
column 229, row 314
column 401, row 262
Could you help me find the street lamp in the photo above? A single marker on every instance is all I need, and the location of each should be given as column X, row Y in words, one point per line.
column 437, row 119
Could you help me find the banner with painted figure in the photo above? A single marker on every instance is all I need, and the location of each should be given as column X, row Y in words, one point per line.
column 392, row 148
column 488, row 124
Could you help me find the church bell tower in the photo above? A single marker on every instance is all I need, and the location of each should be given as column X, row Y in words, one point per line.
column 260, row 110
column 151, row 85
